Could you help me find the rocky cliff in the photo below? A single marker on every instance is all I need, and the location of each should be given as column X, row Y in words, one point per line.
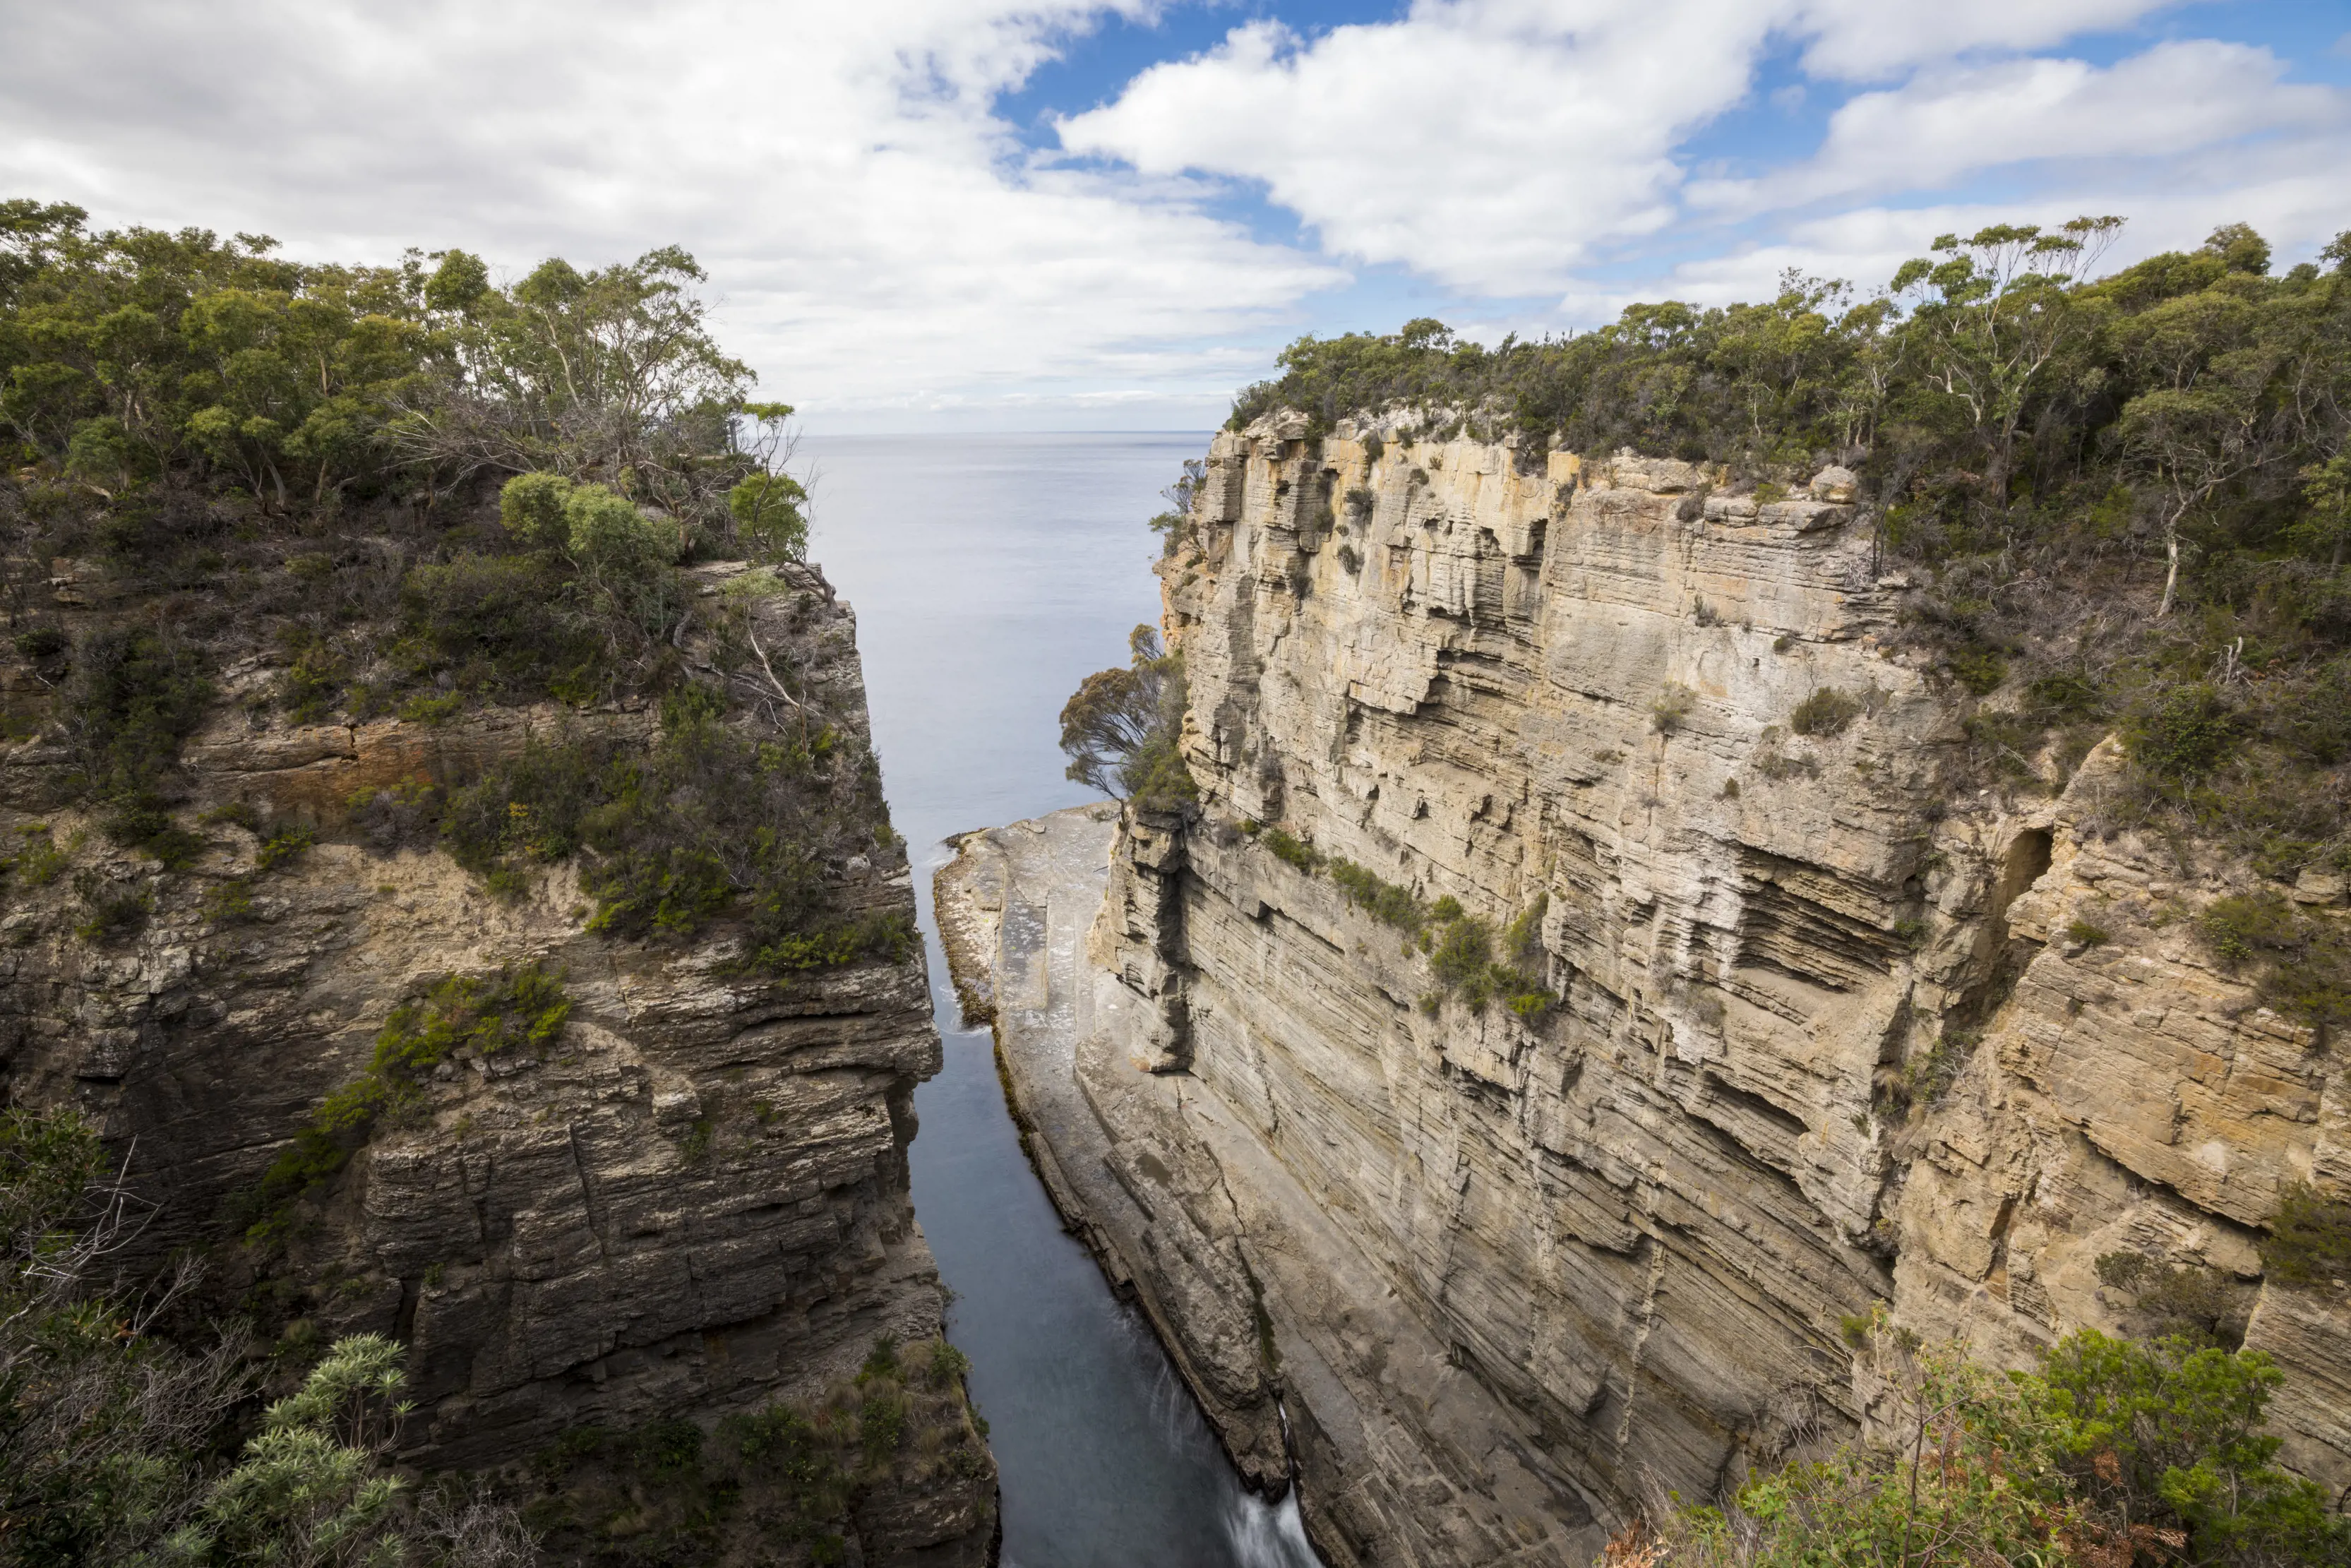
column 1810, row 1011
column 690, row 1198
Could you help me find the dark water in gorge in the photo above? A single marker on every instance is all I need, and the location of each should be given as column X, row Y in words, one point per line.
column 990, row 574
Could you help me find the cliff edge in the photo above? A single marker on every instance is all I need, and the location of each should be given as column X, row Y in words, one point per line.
column 605, row 1180
column 1593, row 973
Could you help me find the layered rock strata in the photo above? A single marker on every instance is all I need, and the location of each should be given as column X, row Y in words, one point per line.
column 1837, row 1020
column 693, row 1200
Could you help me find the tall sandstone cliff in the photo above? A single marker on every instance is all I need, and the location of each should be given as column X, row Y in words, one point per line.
column 694, row 1200
column 1504, row 1277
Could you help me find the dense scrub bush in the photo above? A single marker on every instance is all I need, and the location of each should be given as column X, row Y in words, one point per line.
column 1826, row 712
column 771, row 508
column 1461, row 947
column 495, row 624
column 266, row 458
column 2110, row 1453
column 1383, row 901
column 1672, row 705
column 707, row 823
column 119, row 1445
column 2300, row 964
column 2309, row 1243
column 2181, row 733
column 1290, row 850
column 2191, row 1300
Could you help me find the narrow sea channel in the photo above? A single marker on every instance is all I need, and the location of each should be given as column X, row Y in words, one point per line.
column 990, row 574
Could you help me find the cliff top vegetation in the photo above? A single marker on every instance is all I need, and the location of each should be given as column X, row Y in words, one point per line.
column 2125, row 496
column 2110, row 1453
column 343, row 493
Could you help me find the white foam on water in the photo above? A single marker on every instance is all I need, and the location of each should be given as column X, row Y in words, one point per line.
column 1268, row 1535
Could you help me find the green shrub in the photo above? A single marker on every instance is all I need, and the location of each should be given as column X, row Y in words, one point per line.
column 2063, row 696
column 1157, row 776
column 500, row 623
column 127, row 1444
column 2241, row 925
column 775, row 1484
column 1532, row 1005
column 113, row 914
column 134, row 698
column 531, row 507
column 2183, row 733
column 1463, row 954
column 1979, row 668
column 1123, row 729
column 609, row 535
column 2301, row 963
column 2309, row 1243
column 38, row 862
column 1927, row 1075
column 1383, row 901
column 531, row 808
column 283, row 847
column 2085, row 934
column 769, row 510
column 1290, row 850
column 432, row 710
column 2191, row 1300
column 2172, row 1434
column 229, row 901
column 1522, row 939
column 1826, row 712
column 406, row 814
column 141, row 822
column 706, row 823
column 308, row 688
column 2109, row 1453
column 41, row 642
column 1672, row 706
column 524, row 1007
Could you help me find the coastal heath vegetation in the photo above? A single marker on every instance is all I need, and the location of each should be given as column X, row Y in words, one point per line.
column 122, row 1443
column 411, row 491
column 242, row 495
column 2121, row 498
column 2108, row 1453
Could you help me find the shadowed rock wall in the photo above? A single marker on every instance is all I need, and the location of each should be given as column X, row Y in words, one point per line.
column 694, row 1200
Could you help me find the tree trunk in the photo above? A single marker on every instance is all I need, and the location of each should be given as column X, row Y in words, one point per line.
column 2170, row 578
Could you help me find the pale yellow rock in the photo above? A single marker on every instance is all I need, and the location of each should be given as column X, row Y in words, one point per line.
column 1639, row 1220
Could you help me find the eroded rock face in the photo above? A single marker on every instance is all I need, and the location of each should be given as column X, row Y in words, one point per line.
column 693, row 1200
column 1631, row 1223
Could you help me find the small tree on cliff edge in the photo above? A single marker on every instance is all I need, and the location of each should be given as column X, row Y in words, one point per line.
column 1119, row 727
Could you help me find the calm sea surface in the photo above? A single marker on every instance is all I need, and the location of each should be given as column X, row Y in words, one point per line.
column 990, row 574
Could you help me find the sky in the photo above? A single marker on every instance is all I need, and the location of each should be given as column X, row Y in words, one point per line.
column 1065, row 214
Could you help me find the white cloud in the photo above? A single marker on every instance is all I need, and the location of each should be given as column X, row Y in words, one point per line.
column 1504, row 147
column 882, row 243
column 876, row 234
column 1490, row 144
column 1947, row 123
column 1861, row 40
